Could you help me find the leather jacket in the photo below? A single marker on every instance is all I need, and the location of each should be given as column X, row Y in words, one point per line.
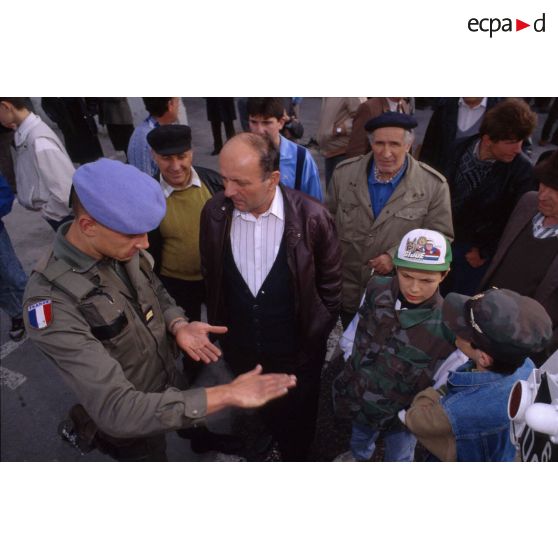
column 313, row 256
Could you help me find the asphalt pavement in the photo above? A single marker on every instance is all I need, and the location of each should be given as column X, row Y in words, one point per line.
column 34, row 399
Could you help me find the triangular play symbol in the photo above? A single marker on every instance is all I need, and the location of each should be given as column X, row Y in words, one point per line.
column 519, row 25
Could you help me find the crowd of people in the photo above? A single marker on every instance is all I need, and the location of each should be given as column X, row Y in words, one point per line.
column 439, row 260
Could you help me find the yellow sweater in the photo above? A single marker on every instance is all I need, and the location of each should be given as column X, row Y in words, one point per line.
column 180, row 230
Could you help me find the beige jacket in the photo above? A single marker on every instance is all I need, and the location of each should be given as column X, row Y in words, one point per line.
column 421, row 200
column 336, row 112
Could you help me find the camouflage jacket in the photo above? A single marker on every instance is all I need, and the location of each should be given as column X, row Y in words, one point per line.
column 395, row 355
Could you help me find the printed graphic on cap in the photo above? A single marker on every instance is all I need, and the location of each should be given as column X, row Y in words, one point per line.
column 422, row 248
column 40, row 314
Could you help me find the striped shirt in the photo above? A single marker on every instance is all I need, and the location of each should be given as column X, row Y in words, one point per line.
column 255, row 242
column 540, row 231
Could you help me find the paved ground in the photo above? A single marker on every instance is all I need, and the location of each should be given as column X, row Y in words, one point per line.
column 33, row 399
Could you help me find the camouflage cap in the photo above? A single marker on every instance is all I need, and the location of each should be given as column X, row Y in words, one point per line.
column 424, row 249
column 502, row 323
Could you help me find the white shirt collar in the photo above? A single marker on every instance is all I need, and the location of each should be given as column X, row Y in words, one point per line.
column 277, row 208
column 25, row 127
column 168, row 189
column 482, row 104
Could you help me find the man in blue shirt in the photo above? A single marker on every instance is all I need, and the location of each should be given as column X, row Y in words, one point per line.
column 162, row 110
column 266, row 116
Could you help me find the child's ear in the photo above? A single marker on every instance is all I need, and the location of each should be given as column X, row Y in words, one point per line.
column 444, row 275
column 485, row 360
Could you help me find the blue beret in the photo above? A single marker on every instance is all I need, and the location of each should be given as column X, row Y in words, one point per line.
column 119, row 196
column 391, row 120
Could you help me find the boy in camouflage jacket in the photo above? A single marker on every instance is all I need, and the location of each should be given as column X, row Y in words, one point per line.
column 400, row 341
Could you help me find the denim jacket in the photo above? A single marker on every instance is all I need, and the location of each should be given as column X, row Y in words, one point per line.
column 477, row 407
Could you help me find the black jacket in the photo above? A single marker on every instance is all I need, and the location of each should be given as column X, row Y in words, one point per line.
column 442, row 129
column 480, row 219
column 313, row 256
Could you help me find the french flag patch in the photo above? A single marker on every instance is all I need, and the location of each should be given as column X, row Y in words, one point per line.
column 40, row 314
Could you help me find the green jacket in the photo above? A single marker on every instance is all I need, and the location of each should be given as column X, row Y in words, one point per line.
column 421, row 200
column 108, row 337
column 395, row 355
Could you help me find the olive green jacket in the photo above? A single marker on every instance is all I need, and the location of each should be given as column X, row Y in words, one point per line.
column 111, row 343
column 421, row 200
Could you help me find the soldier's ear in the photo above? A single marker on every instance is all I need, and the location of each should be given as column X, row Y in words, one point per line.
column 87, row 225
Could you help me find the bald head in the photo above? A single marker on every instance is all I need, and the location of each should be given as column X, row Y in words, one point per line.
column 262, row 148
column 249, row 166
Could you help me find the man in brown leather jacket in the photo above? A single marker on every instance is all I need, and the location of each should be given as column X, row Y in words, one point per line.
column 272, row 265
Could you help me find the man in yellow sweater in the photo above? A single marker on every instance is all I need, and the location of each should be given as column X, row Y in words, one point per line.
column 175, row 244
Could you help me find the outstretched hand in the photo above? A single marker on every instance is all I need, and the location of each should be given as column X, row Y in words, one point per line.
column 193, row 339
column 254, row 389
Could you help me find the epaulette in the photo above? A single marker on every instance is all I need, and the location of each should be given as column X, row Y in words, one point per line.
column 62, row 275
column 437, row 174
column 350, row 160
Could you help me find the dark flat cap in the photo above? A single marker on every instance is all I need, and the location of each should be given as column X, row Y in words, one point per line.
column 502, row 323
column 170, row 139
column 119, row 196
column 547, row 171
column 391, row 120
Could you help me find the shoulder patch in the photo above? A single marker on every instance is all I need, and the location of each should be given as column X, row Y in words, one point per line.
column 39, row 314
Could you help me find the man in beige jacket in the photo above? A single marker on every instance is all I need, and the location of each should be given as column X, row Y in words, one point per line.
column 377, row 198
column 334, row 129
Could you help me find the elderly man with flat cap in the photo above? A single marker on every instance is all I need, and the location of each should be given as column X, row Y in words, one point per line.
column 377, row 198
column 96, row 309
column 174, row 244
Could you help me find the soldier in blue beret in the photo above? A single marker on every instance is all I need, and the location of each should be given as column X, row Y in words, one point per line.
column 96, row 309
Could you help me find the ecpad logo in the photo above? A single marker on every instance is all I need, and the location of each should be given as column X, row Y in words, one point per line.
column 494, row 24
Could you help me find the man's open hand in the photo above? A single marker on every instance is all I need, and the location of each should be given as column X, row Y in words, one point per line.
column 253, row 389
column 193, row 339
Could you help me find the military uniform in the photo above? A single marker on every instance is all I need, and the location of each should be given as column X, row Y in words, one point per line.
column 104, row 324
column 395, row 355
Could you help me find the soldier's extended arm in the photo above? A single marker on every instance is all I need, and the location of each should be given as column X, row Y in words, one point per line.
column 97, row 379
